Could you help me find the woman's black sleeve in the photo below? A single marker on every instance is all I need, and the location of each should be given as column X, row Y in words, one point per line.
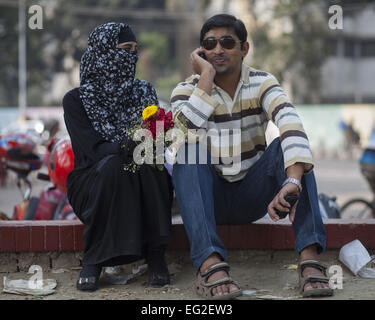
column 85, row 139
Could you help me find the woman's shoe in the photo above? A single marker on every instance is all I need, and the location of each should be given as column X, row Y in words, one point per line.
column 88, row 278
column 158, row 274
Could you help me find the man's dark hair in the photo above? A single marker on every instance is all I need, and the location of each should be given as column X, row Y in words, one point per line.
column 225, row 20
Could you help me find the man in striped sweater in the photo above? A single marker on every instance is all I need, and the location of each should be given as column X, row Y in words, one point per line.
column 225, row 107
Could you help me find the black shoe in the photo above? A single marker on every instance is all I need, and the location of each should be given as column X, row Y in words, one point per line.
column 158, row 274
column 88, row 278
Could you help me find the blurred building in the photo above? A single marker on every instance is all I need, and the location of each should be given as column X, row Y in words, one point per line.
column 349, row 73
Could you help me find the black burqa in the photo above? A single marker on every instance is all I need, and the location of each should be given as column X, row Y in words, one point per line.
column 124, row 213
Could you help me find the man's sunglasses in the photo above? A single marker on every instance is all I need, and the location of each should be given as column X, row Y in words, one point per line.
column 226, row 42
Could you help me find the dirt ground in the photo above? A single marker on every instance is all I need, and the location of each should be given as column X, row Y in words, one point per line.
column 262, row 275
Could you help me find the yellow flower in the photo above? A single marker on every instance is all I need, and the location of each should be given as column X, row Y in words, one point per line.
column 149, row 111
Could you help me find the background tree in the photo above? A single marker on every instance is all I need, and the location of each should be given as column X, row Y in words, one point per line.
column 292, row 44
column 54, row 53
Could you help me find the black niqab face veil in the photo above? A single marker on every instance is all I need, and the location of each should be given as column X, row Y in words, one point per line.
column 111, row 95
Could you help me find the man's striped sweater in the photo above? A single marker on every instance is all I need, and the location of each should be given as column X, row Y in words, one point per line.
column 235, row 129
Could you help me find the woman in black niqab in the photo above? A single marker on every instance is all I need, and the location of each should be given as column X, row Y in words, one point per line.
column 127, row 215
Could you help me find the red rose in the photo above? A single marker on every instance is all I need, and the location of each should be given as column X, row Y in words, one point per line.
column 166, row 119
column 160, row 114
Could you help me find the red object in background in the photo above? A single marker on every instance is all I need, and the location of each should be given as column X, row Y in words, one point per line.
column 17, row 152
column 67, row 212
column 60, row 163
column 48, row 201
column 17, row 140
column 50, row 146
column 39, row 208
column 19, row 210
column 52, row 204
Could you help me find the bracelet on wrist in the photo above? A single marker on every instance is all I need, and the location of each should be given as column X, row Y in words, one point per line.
column 294, row 181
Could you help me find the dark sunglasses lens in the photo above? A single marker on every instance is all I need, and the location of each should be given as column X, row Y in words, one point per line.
column 209, row 44
column 227, row 42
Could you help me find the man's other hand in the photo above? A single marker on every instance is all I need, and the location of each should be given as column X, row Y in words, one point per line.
column 281, row 204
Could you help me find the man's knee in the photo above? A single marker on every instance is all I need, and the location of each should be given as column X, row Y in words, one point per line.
column 275, row 151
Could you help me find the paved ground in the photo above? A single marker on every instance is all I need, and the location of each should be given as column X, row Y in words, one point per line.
column 261, row 274
column 341, row 179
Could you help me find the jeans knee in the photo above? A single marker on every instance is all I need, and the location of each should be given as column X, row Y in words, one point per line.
column 275, row 161
column 276, row 152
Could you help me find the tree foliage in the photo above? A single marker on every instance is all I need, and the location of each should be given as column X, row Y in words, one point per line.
column 297, row 52
column 58, row 47
column 299, row 47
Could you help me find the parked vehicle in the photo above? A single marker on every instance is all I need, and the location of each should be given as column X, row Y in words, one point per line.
column 18, row 153
column 52, row 203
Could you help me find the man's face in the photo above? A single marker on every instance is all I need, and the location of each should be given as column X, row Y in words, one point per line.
column 225, row 61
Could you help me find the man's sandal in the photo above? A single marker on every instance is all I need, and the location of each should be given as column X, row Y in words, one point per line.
column 204, row 288
column 313, row 292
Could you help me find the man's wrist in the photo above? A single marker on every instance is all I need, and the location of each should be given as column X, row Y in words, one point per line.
column 296, row 171
column 209, row 73
column 295, row 181
column 206, row 81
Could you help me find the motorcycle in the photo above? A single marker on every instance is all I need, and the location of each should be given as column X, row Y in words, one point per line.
column 18, row 154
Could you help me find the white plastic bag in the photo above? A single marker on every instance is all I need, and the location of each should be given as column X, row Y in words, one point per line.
column 355, row 256
column 367, row 272
column 115, row 275
column 23, row 287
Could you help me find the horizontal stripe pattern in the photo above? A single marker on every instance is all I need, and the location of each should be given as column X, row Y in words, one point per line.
column 260, row 99
column 180, row 97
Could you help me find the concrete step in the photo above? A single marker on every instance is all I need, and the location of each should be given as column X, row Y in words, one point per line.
column 264, row 234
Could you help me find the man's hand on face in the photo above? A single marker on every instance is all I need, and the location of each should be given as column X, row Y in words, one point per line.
column 279, row 202
column 199, row 64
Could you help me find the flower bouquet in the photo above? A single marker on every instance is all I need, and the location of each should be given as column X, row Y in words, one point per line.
column 148, row 138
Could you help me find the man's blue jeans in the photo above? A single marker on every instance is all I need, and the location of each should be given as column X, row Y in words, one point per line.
column 206, row 199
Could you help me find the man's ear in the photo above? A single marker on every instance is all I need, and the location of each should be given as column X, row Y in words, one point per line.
column 245, row 48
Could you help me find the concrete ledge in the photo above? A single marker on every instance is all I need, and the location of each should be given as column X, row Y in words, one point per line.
column 66, row 236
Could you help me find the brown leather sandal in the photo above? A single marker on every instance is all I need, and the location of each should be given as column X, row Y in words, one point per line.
column 204, row 288
column 313, row 292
